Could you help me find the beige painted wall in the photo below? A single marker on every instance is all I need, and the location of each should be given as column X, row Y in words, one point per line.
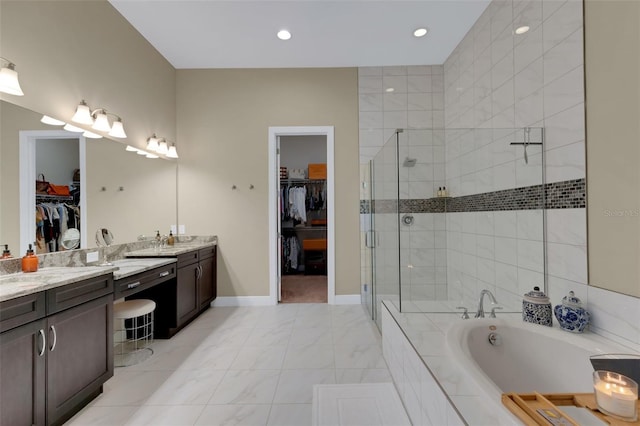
column 612, row 67
column 66, row 51
column 223, row 117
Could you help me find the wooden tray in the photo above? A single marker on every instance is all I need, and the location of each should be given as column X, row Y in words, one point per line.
column 524, row 406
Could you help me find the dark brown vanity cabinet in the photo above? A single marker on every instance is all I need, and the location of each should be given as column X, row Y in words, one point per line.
column 180, row 300
column 56, row 351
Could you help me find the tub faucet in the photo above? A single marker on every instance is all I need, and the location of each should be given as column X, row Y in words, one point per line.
column 480, row 312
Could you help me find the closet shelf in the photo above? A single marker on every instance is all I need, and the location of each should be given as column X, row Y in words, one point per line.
column 300, row 181
column 47, row 197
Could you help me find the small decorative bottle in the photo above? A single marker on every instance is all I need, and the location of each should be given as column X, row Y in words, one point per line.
column 30, row 261
column 171, row 240
column 536, row 308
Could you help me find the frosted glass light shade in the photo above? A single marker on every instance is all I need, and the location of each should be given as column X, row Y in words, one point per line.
column 173, row 153
column 91, row 135
column 82, row 115
column 9, row 81
column 102, row 123
column 117, row 130
column 51, row 121
column 72, row 128
column 152, row 143
column 163, row 148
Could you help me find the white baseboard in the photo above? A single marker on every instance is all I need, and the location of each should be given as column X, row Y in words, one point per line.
column 347, row 299
column 242, row 301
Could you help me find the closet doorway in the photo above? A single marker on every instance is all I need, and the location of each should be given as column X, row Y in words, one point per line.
column 53, row 156
column 301, row 215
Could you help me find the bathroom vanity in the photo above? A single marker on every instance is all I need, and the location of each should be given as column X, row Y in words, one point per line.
column 56, row 325
column 56, row 349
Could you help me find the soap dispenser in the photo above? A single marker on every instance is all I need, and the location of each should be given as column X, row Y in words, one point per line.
column 6, row 254
column 536, row 308
column 571, row 315
column 30, row 261
column 171, row 240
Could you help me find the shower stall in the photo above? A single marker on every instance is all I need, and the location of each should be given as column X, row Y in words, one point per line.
column 451, row 212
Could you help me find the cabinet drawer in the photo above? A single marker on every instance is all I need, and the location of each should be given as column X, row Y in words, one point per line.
column 21, row 310
column 70, row 295
column 207, row 252
column 188, row 258
column 144, row 280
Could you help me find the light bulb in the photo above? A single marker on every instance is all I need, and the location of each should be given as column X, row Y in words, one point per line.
column 152, row 143
column 83, row 114
column 9, row 81
column 173, row 153
column 117, row 130
column 102, row 122
column 163, row 148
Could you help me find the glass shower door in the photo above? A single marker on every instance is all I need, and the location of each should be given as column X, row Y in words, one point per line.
column 385, row 226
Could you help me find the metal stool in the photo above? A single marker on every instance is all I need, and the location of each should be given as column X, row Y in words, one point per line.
column 133, row 331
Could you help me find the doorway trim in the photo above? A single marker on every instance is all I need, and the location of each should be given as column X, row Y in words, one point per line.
column 28, row 140
column 274, row 133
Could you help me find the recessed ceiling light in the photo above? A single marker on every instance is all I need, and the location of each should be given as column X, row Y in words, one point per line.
column 521, row 30
column 420, row 32
column 389, row 89
column 284, row 35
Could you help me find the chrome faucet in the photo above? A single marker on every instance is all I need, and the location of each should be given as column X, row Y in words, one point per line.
column 480, row 312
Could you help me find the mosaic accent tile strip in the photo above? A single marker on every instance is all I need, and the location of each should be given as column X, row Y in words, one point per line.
column 570, row 194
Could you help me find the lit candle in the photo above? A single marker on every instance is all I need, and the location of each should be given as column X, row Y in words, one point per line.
column 616, row 394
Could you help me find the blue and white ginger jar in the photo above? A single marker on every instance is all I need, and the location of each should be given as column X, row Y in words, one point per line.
column 571, row 315
column 536, row 308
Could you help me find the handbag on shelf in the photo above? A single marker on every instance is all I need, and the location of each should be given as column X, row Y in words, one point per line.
column 58, row 189
column 42, row 186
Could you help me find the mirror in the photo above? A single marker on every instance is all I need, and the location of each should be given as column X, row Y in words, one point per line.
column 104, row 238
column 125, row 193
column 70, row 239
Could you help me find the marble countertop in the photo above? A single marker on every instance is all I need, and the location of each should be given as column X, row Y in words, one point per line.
column 22, row 284
column 128, row 267
column 168, row 251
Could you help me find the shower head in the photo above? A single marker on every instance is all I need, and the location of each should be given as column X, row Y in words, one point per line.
column 409, row 162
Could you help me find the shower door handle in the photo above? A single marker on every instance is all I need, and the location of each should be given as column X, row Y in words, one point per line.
column 370, row 239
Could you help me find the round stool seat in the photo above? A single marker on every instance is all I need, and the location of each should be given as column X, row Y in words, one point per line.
column 133, row 308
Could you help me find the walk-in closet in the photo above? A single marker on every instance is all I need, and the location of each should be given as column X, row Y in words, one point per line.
column 303, row 219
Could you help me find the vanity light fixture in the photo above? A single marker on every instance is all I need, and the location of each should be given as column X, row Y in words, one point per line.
column 71, row 128
column 149, row 155
column 51, row 121
column 152, row 143
column 9, row 78
column 141, row 152
column 420, row 32
column 521, row 30
column 131, row 148
column 98, row 119
column 173, row 153
column 284, row 35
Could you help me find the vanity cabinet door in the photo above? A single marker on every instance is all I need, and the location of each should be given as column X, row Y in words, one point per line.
column 207, row 284
column 187, row 293
column 79, row 356
column 22, row 375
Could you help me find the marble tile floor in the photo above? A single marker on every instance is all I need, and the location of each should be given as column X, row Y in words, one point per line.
column 244, row 366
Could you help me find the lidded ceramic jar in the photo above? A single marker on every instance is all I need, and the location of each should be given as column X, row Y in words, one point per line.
column 536, row 308
column 571, row 314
